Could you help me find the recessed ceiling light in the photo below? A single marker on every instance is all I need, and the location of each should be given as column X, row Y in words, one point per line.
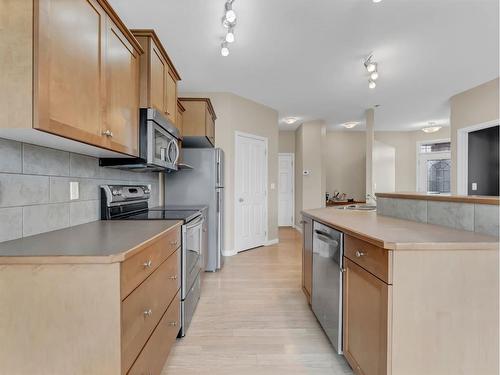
column 350, row 125
column 290, row 120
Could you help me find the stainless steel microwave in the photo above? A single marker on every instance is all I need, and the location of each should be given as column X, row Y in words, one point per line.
column 158, row 145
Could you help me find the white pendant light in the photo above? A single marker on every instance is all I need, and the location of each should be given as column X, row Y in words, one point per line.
column 372, row 84
column 224, row 51
column 230, row 35
column 374, row 76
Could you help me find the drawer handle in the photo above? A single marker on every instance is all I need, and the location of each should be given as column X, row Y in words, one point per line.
column 108, row 133
column 359, row 254
column 148, row 264
column 172, row 324
column 148, row 312
column 173, row 277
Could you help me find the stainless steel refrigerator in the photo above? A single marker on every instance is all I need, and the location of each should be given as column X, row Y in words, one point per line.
column 202, row 185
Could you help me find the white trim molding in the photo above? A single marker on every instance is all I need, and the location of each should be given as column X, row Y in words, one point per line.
column 274, row 241
column 463, row 153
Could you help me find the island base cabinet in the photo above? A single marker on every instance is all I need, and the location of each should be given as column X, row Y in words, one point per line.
column 367, row 316
column 307, row 257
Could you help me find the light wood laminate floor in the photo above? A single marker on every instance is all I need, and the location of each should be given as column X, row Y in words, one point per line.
column 253, row 318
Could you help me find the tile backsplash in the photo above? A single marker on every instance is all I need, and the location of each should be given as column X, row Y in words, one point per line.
column 35, row 188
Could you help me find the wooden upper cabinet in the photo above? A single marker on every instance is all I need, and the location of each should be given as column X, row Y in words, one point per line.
column 70, row 46
column 158, row 82
column 367, row 321
column 88, row 73
column 121, row 124
column 198, row 122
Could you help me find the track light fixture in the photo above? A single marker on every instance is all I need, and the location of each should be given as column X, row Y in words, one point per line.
column 229, row 23
column 371, row 67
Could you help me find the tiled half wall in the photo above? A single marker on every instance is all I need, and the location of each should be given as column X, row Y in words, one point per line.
column 481, row 218
column 35, row 188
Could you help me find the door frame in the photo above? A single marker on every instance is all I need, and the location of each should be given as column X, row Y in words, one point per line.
column 463, row 153
column 292, row 154
column 420, row 143
column 237, row 134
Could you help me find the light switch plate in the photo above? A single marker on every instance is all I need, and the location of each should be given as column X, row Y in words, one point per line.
column 74, row 190
column 273, row 186
column 474, row 186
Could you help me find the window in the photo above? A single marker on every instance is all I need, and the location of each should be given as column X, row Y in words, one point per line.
column 434, row 167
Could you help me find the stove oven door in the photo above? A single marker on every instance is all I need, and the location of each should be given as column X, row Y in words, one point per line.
column 192, row 246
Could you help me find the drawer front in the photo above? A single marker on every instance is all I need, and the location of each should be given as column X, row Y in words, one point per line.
column 155, row 353
column 143, row 308
column 135, row 269
column 372, row 258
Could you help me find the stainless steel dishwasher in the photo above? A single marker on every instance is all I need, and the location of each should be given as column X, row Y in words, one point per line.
column 328, row 252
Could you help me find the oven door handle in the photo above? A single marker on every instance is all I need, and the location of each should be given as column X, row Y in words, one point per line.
column 196, row 223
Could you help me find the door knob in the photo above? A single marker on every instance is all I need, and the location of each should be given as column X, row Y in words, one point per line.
column 107, row 133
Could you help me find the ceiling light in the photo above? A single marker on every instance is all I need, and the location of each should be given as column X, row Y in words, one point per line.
column 372, row 84
column 371, row 66
column 432, row 128
column 350, row 125
column 230, row 35
column 224, row 51
column 374, row 76
column 230, row 15
column 376, row 1
column 290, row 120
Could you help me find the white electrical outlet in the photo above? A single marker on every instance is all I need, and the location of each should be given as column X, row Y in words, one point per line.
column 474, row 186
column 74, row 190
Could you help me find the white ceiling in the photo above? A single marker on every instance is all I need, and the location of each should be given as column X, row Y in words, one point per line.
column 304, row 57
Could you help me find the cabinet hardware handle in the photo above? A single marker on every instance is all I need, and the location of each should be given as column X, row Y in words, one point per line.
column 172, row 324
column 148, row 264
column 359, row 254
column 173, row 243
column 173, row 277
column 148, row 312
column 107, row 133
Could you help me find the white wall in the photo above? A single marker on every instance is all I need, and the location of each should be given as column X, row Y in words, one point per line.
column 286, row 142
column 235, row 113
column 384, row 168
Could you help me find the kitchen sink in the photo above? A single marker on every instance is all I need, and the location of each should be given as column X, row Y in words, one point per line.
column 358, row 207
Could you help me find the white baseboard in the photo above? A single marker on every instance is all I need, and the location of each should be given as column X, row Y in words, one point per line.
column 272, row 242
column 298, row 227
column 229, row 253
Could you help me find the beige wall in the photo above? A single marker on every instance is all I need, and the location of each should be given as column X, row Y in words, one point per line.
column 235, row 113
column 472, row 107
column 345, row 163
column 405, row 144
column 310, row 189
column 286, row 143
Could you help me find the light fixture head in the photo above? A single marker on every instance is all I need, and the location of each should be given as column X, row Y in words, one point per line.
column 372, row 84
column 230, row 35
column 290, row 120
column 230, row 14
column 432, row 128
column 376, row 1
column 350, row 125
column 224, row 50
column 374, row 76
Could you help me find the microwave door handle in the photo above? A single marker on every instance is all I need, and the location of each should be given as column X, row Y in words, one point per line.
column 177, row 151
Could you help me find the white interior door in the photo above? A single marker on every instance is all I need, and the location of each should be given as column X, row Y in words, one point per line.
column 250, row 191
column 434, row 171
column 285, row 186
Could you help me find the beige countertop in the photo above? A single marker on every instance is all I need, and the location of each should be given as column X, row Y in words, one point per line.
column 478, row 199
column 397, row 234
column 95, row 242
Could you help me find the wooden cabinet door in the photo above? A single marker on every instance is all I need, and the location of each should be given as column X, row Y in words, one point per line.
column 209, row 126
column 158, row 82
column 307, row 257
column 366, row 321
column 121, row 122
column 171, row 98
column 69, row 76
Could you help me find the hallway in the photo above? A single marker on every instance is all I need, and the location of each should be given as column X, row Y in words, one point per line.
column 253, row 318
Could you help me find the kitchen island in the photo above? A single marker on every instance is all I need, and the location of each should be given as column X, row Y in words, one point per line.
column 98, row 298
column 417, row 298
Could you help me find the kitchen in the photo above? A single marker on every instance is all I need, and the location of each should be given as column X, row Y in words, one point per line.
column 138, row 165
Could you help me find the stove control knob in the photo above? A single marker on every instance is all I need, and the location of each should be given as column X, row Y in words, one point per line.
column 116, row 192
